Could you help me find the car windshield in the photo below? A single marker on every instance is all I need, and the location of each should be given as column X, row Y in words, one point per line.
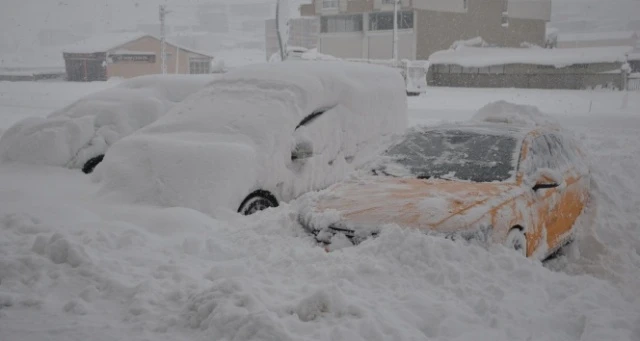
column 451, row 154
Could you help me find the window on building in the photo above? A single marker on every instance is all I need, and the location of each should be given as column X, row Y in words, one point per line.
column 341, row 23
column 465, row 4
column 505, row 13
column 329, row 3
column 384, row 21
column 505, row 20
column 199, row 66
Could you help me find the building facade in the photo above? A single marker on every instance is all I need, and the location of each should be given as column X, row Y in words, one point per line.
column 129, row 55
column 303, row 32
column 364, row 28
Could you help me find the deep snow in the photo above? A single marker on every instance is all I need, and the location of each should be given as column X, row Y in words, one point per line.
column 74, row 266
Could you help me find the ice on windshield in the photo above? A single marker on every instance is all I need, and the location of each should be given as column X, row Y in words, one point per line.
column 452, row 154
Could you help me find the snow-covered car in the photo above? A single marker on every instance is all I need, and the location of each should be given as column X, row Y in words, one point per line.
column 260, row 135
column 493, row 179
column 78, row 135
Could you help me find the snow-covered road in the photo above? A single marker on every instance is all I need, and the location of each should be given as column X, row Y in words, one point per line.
column 74, row 266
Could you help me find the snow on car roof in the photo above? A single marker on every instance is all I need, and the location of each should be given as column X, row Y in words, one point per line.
column 514, row 114
column 482, row 57
column 313, row 85
column 504, row 118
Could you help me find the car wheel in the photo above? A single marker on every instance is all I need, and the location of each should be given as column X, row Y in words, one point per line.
column 257, row 201
column 517, row 241
column 90, row 165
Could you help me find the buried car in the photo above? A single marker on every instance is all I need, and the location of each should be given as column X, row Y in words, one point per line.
column 490, row 180
column 78, row 135
column 259, row 135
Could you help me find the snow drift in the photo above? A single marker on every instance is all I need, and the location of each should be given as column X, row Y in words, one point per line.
column 76, row 267
column 70, row 136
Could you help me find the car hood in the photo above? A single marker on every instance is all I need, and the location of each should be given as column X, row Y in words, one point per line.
column 439, row 205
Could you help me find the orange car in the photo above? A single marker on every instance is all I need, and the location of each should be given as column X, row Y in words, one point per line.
column 520, row 185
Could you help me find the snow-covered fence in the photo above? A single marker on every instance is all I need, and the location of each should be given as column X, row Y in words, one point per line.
column 633, row 82
column 527, row 80
column 538, row 68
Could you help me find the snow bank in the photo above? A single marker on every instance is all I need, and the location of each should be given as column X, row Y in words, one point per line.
column 134, row 272
column 238, row 134
column 482, row 57
column 70, row 136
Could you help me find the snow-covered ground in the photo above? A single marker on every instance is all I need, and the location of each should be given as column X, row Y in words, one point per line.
column 76, row 266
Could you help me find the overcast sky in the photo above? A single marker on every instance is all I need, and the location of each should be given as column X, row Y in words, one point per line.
column 21, row 20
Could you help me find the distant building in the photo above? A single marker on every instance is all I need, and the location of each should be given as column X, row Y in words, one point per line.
column 303, row 32
column 633, row 58
column 363, row 28
column 129, row 54
column 597, row 39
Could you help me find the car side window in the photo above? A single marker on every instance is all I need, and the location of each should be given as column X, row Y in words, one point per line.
column 560, row 155
column 538, row 156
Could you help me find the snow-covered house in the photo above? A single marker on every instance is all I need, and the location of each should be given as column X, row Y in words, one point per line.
column 529, row 67
column 129, row 54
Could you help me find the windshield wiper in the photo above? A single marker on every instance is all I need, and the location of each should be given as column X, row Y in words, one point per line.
column 375, row 172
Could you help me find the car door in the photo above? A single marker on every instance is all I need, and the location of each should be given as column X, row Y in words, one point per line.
column 546, row 199
column 572, row 191
column 317, row 159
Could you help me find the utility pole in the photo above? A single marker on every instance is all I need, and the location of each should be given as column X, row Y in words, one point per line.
column 163, row 48
column 395, row 31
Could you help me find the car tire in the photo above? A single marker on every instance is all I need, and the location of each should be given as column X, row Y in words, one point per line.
column 257, row 201
column 91, row 164
column 517, row 241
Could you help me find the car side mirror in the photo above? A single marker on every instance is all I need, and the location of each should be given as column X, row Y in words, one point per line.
column 302, row 151
column 546, row 178
column 542, row 185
